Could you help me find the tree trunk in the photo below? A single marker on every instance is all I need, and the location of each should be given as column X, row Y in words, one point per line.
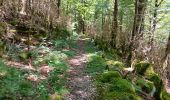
column 23, row 7
column 1, row 2
column 58, row 8
column 167, row 50
column 154, row 24
column 137, row 27
column 115, row 24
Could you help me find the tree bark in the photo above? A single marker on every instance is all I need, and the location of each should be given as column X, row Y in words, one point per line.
column 115, row 24
column 58, row 8
column 154, row 24
column 137, row 27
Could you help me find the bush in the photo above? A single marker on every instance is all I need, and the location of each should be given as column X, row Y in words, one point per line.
column 61, row 33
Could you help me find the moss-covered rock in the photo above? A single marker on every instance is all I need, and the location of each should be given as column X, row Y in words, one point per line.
column 145, row 85
column 165, row 95
column 115, row 65
column 141, row 67
column 150, row 71
column 122, row 85
column 121, row 96
column 158, row 84
column 109, row 76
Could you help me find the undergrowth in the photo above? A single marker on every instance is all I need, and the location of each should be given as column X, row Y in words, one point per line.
column 14, row 82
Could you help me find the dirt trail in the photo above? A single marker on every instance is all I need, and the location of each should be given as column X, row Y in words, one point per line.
column 80, row 84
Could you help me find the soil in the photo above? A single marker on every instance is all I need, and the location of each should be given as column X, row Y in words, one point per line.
column 79, row 82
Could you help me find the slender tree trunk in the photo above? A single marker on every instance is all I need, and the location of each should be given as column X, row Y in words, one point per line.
column 137, row 27
column 23, row 10
column 154, row 24
column 58, row 8
column 121, row 23
column 115, row 24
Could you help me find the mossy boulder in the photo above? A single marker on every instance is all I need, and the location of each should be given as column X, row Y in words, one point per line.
column 122, row 85
column 121, row 96
column 145, row 85
column 141, row 67
column 115, row 65
column 165, row 95
column 158, row 84
column 109, row 76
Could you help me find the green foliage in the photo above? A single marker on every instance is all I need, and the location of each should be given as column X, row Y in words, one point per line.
column 61, row 44
column 14, row 84
column 112, row 54
column 26, row 88
column 61, row 33
column 64, row 43
column 69, row 53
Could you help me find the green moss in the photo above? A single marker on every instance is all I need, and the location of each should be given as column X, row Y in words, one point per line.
column 121, row 96
column 145, row 85
column 141, row 67
column 155, row 79
column 96, row 64
column 149, row 71
column 122, row 85
column 158, row 84
column 108, row 76
column 165, row 95
column 114, row 65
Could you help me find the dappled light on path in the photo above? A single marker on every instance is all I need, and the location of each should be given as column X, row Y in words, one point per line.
column 79, row 82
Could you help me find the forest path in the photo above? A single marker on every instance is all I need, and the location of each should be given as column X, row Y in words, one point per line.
column 79, row 82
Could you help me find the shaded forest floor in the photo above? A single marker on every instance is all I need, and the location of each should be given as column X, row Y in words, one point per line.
column 75, row 68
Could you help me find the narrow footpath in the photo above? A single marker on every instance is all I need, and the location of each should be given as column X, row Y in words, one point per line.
column 79, row 82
